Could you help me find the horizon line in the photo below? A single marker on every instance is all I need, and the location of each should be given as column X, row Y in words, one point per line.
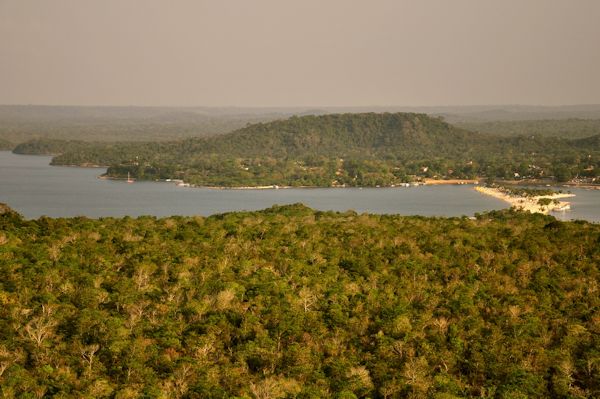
column 297, row 106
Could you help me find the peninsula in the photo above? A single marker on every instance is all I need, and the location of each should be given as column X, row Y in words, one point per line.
column 527, row 200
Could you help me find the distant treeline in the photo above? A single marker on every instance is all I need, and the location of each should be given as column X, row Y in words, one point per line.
column 337, row 150
column 22, row 123
column 6, row 145
column 566, row 128
column 293, row 303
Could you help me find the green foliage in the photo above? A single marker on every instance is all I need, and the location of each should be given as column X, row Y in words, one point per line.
column 337, row 150
column 290, row 302
column 519, row 191
column 49, row 147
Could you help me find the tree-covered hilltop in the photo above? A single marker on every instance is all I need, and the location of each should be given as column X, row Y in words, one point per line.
column 359, row 135
column 290, row 302
column 340, row 150
column 297, row 137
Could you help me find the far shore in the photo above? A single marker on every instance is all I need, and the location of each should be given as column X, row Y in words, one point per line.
column 425, row 182
column 450, row 181
column 546, row 183
column 182, row 183
column 90, row 165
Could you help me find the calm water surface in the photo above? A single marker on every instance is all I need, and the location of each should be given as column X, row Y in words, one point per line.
column 29, row 185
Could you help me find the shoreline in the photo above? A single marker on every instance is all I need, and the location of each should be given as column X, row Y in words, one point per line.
column 182, row 183
column 459, row 182
column 87, row 166
column 585, row 186
column 545, row 183
column 529, row 204
column 424, row 181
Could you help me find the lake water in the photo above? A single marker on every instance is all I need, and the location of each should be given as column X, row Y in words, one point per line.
column 32, row 187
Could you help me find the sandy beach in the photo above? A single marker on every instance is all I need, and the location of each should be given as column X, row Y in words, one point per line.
column 529, row 204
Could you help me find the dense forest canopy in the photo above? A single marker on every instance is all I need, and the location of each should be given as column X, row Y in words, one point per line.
column 294, row 303
column 337, row 150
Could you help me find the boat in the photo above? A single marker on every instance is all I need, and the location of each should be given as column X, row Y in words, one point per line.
column 129, row 179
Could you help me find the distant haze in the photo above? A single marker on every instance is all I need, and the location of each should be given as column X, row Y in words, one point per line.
column 299, row 52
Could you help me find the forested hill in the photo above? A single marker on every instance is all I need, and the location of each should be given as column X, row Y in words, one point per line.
column 294, row 303
column 340, row 135
column 336, row 150
column 298, row 137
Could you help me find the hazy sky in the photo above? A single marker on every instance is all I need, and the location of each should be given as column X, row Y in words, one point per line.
column 299, row 52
